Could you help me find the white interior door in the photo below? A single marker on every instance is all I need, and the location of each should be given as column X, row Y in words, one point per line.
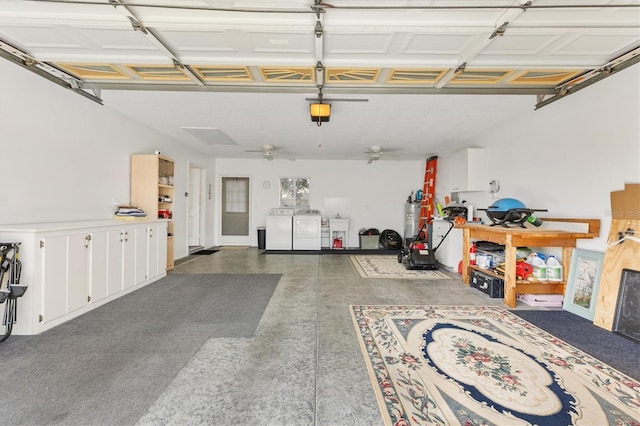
column 194, row 206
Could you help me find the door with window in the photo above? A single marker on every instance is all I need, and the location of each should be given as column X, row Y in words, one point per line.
column 235, row 211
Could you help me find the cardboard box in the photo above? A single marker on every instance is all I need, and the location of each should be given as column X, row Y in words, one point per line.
column 632, row 199
column 626, row 204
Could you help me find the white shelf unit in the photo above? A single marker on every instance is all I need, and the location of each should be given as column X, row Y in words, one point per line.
column 153, row 190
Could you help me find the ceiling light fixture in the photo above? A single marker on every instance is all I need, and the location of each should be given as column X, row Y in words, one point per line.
column 320, row 113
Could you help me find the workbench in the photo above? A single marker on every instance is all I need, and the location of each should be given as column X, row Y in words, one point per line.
column 514, row 237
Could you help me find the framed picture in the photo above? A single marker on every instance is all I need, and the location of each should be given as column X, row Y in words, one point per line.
column 584, row 279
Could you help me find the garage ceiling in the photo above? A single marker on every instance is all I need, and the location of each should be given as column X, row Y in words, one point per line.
column 226, row 77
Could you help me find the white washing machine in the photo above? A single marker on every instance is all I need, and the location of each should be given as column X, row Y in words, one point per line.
column 279, row 229
column 307, row 230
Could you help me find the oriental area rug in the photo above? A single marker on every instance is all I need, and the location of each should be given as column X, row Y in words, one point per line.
column 485, row 366
column 389, row 267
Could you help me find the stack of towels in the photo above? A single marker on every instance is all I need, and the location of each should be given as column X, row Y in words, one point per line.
column 130, row 211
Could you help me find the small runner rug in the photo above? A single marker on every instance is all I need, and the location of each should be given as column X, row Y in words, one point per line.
column 485, row 366
column 389, row 267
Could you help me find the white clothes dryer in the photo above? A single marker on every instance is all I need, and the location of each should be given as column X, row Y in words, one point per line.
column 307, row 230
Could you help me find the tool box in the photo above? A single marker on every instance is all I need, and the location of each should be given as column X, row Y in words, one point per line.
column 488, row 284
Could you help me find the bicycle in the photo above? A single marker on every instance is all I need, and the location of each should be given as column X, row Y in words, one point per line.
column 10, row 287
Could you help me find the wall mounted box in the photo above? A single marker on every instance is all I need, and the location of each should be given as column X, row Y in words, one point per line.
column 468, row 171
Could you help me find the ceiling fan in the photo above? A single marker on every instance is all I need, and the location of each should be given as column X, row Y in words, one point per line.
column 268, row 151
column 375, row 153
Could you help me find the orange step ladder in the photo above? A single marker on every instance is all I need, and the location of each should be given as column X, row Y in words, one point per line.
column 428, row 192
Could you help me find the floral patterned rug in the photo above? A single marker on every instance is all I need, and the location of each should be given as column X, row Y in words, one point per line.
column 389, row 267
column 485, row 366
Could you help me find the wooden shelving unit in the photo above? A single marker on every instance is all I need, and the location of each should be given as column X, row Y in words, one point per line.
column 515, row 237
column 153, row 190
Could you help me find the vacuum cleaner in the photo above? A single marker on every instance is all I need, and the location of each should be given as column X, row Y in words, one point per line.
column 419, row 255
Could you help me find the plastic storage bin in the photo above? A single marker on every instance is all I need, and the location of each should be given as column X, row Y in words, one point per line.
column 369, row 242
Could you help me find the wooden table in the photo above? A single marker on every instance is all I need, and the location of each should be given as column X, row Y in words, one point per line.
column 514, row 237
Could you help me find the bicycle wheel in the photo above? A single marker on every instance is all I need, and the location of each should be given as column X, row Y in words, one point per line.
column 8, row 318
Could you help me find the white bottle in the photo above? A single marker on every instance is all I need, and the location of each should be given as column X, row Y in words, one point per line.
column 539, row 268
column 554, row 269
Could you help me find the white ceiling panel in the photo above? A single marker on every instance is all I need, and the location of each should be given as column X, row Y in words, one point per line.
column 360, row 43
column 600, row 46
column 283, row 43
column 190, row 42
column 438, row 44
column 116, row 39
column 47, row 37
column 520, row 44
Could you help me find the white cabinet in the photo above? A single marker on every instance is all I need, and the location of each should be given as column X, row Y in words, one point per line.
column 71, row 268
column 99, row 266
column 142, row 254
column 449, row 253
column 467, row 171
column 157, row 248
column 53, row 255
column 77, row 261
column 65, row 266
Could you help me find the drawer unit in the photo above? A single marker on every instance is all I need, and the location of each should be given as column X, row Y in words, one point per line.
column 488, row 284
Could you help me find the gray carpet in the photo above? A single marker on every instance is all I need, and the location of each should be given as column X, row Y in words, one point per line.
column 619, row 352
column 88, row 370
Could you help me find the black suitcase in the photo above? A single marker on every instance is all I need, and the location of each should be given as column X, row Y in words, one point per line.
column 488, row 284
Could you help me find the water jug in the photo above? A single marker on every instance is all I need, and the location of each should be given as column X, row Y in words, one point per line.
column 554, row 269
column 539, row 268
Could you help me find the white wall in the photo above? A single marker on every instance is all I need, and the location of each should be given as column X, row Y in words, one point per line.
column 373, row 195
column 66, row 158
column 569, row 155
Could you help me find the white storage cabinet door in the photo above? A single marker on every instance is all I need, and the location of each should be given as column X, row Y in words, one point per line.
column 54, row 277
column 98, row 265
column 77, row 272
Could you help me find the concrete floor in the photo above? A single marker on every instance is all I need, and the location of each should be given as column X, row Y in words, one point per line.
column 304, row 365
